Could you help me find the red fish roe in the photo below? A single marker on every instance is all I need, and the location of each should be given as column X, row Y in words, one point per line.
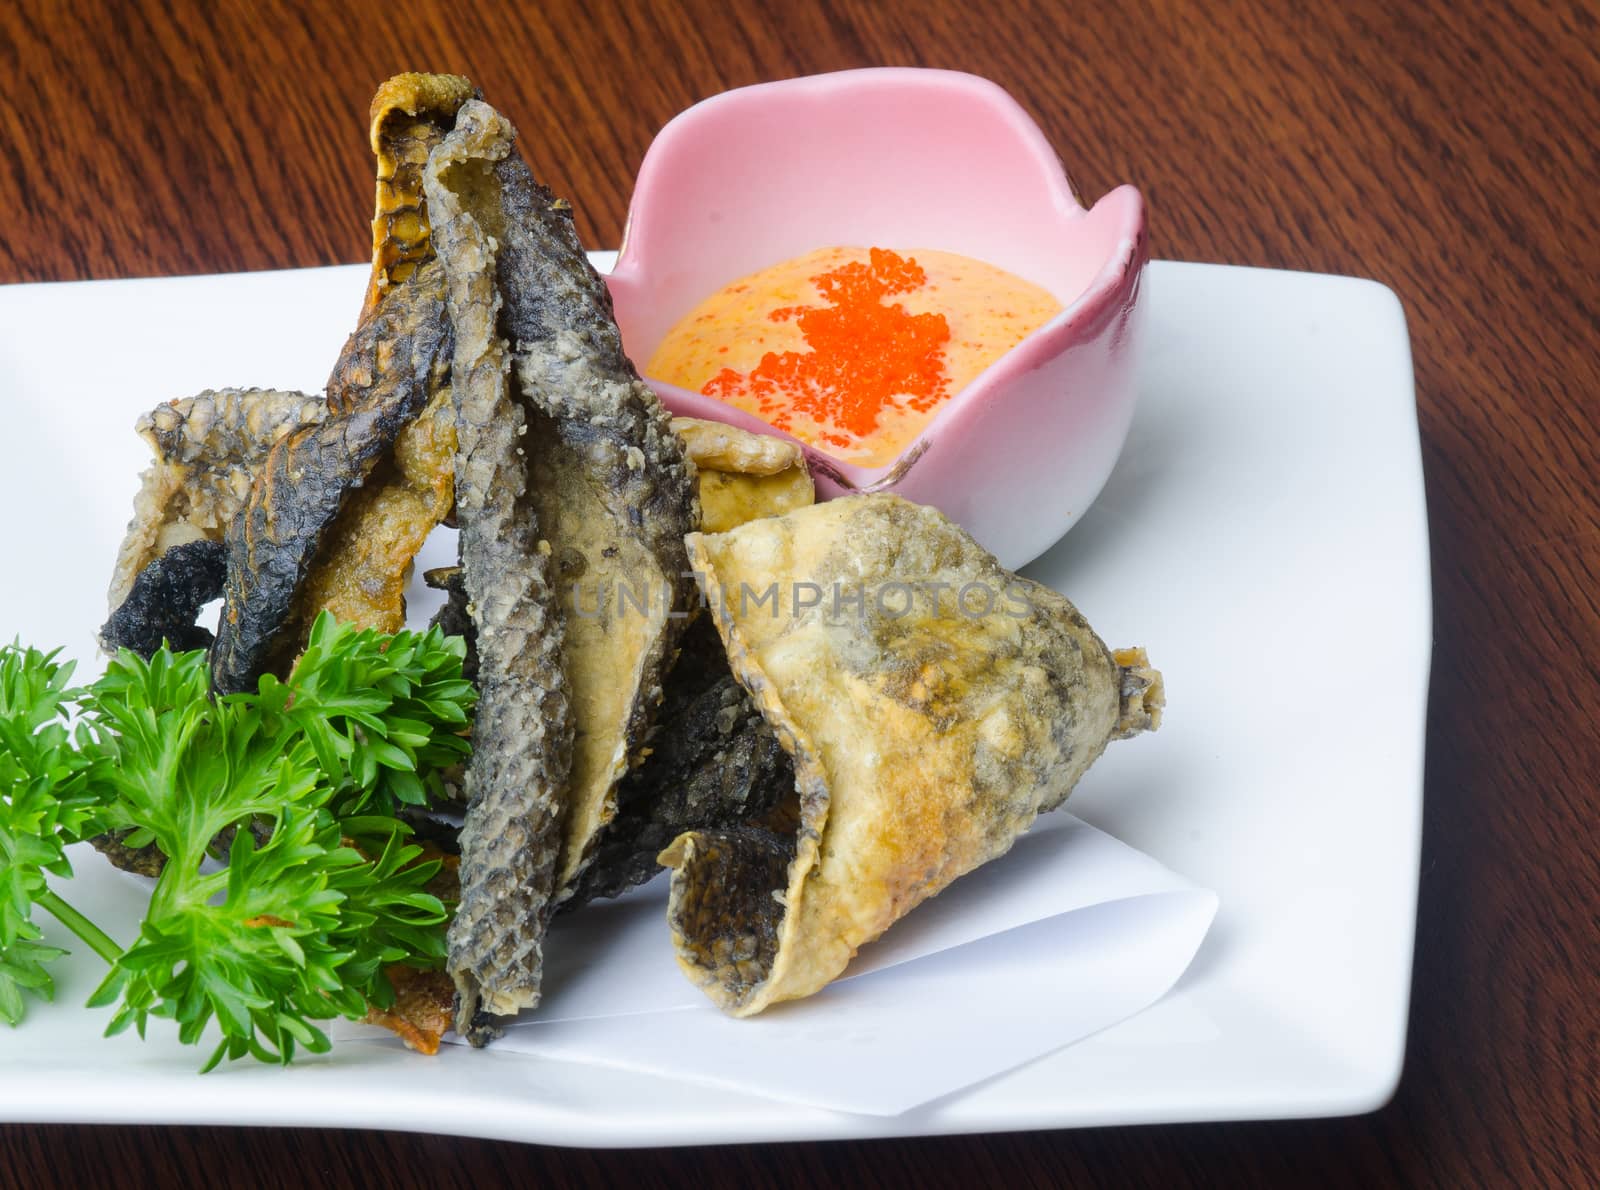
column 865, row 355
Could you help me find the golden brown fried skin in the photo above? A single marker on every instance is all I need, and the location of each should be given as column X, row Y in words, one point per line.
column 711, row 760
column 926, row 735
column 420, row 1015
column 361, row 570
column 728, row 500
column 360, row 574
column 743, row 476
column 411, row 113
column 716, row 446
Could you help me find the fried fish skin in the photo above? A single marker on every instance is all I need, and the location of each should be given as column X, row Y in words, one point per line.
column 730, row 499
column 421, row 1012
column 717, row 446
column 207, row 450
column 611, row 487
column 611, row 494
column 925, row 738
column 742, row 475
column 522, row 729
column 712, row 762
column 410, row 114
column 360, row 572
column 392, row 367
column 453, row 615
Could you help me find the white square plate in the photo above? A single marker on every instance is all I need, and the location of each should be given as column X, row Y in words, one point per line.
column 1264, row 535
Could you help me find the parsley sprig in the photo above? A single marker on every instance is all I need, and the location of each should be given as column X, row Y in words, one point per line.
column 45, row 804
column 321, row 887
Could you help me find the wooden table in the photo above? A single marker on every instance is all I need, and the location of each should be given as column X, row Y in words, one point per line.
column 1446, row 149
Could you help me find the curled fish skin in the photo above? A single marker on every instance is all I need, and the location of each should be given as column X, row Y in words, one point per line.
column 926, row 737
column 409, row 116
column 360, row 571
column 207, row 449
column 453, row 615
column 359, row 574
column 610, row 483
column 711, row 760
column 612, row 494
column 743, row 476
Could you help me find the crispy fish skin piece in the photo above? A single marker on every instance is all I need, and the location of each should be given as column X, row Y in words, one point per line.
column 421, row 1013
column 410, row 114
column 1144, row 694
column 148, row 860
column 522, row 730
column 207, row 450
column 610, row 484
column 717, row 446
column 925, row 738
column 453, row 615
column 743, row 476
column 392, row 367
column 729, row 499
column 711, row 759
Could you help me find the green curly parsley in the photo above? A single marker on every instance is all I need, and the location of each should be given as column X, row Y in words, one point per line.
column 321, row 889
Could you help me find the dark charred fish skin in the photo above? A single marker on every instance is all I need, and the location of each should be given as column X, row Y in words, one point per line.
column 148, row 860
column 712, row 762
column 701, row 663
column 522, row 729
column 389, row 370
column 612, row 494
column 166, row 600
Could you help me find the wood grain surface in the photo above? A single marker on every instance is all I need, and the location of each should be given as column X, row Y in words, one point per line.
column 1446, row 149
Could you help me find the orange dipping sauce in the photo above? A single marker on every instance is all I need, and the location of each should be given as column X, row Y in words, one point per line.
column 853, row 350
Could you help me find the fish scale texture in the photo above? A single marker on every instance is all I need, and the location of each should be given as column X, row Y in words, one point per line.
column 522, row 731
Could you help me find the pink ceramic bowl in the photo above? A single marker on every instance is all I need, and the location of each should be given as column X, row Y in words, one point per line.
column 905, row 159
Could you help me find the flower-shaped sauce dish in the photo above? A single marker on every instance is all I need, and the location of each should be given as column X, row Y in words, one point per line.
column 908, row 159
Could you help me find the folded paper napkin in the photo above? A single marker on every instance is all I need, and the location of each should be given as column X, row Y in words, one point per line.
column 1066, row 934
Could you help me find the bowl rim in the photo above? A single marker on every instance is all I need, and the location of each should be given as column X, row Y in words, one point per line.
column 1111, row 289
